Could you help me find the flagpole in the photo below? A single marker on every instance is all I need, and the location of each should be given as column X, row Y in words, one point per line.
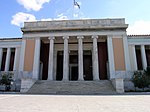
column 73, row 9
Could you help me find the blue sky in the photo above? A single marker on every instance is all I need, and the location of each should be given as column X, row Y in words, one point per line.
column 14, row 12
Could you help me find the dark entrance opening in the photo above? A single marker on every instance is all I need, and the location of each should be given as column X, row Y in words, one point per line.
column 147, row 50
column 73, row 66
column 102, row 58
column 12, row 56
column 59, row 75
column 74, row 73
column 44, row 55
column 139, row 58
column 87, row 65
column 3, row 59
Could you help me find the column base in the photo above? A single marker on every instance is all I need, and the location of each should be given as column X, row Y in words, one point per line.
column 96, row 79
column 65, row 80
column 80, row 80
column 50, row 80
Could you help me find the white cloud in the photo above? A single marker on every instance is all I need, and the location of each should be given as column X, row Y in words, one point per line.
column 75, row 15
column 61, row 17
column 139, row 28
column 35, row 5
column 19, row 18
column 47, row 19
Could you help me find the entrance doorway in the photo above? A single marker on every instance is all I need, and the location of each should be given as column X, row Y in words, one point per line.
column 44, row 55
column 59, row 75
column 87, row 65
column 73, row 66
column 103, row 59
column 73, row 75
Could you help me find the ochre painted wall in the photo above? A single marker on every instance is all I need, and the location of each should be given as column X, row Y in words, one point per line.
column 29, row 55
column 119, row 58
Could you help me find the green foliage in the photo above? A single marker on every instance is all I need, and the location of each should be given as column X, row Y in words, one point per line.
column 6, row 78
column 147, row 71
column 141, row 79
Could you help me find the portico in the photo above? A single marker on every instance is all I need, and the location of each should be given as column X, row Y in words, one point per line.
column 71, row 57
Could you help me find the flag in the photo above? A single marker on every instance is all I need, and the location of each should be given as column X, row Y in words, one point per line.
column 76, row 4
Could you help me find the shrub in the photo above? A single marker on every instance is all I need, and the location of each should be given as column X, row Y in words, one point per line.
column 6, row 79
column 147, row 71
column 140, row 79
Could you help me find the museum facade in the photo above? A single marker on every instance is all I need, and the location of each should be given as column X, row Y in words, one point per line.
column 75, row 50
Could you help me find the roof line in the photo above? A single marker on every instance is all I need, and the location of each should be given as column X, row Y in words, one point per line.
column 10, row 38
column 139, row 35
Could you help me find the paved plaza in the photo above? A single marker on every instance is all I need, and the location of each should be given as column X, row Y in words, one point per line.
column 71, row 103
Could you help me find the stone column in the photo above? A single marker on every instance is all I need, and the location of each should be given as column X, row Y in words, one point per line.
column 36, row 64
column 126, row 53
column 134, row 57
column 55, row 64
column 144, row 60
column 15, row 59
column 7, row 59
column 95, row 59
column 66, row 59
column 111, row 57
column 22, row 55
column 51, row 58
column 1, row 55
column 80, row 58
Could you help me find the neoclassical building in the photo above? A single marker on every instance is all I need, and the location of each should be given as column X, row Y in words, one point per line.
column 75, row 50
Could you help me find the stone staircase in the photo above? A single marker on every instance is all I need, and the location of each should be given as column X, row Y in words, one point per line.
column 72, row 87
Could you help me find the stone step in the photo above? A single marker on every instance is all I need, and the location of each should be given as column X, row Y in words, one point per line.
column 72, row 87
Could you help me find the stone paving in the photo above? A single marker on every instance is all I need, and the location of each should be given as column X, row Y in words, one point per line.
column 72, row 103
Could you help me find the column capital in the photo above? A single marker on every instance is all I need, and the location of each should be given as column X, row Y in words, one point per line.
column 109, row 36
column 95, row 36
column 37, row 38
column 142, row 45
column 65, row 37
column 51, row 38
column 17, row 47
column 80, row 37
column 133, row 45
column 124, row 35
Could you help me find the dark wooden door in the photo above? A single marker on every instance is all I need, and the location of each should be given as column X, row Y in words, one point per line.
column 74, row 73
column 87, row 65
column 44, row 55
column 59, row 75
column 103, row 58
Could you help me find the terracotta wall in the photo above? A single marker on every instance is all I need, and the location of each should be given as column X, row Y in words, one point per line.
column 29, row 55
column 119, row 58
